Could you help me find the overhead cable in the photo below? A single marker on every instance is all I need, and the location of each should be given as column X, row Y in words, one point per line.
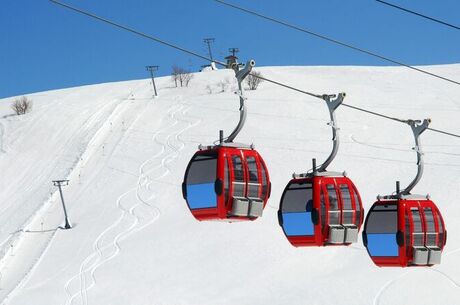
column 335, row 41
column 375, row 113
column 444, row 132
column 134, row 31
column 418, row 14
column 319, row 96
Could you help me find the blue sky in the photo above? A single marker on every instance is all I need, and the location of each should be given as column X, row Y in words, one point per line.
column 44, row 46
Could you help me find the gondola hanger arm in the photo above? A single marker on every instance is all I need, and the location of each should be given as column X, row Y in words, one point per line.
column 417, row 127
column 240, row 75
column 333, row 101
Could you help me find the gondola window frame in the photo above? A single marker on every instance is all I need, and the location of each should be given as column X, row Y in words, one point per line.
column 431, row 234
column 238, row 176
column 331, row 189
column 441, row 230
column 359, row 215
column 385, row 244
column 347, row 205
column 417, row 229
column 198, row 188
column 297, row 220
column 254, row 183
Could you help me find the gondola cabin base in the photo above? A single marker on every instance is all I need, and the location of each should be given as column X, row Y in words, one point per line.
column 227, row 184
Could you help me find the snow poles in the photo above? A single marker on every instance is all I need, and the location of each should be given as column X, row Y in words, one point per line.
column 60, row 183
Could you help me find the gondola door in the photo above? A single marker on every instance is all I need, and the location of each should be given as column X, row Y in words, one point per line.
column 416, row 248
column 238, row 188
column 435, row 234
column 335, row 231
column 351, row 210
column 422, row 234
column 254, row 183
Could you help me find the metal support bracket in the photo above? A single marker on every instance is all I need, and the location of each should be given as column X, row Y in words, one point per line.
column 418, row 127
column 240, row 75
column 332, row 102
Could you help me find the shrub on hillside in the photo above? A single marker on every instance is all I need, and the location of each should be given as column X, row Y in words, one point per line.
column 181, row 76
column 253, row 80
column 21, row 105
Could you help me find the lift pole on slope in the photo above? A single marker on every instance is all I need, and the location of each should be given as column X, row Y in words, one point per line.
column 233, row 51
column 208, row 41
column 151, row 69
column 59, row 184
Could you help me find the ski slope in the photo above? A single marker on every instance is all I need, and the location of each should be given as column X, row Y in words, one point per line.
column 134, row 240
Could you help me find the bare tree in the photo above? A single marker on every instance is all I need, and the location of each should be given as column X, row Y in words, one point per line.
column 175, row 74
column 187, row 78
column 181, row 76
column 253, row 80
column 21, row 105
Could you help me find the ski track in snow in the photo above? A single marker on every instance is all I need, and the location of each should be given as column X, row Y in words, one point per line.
column 103, row 254
column 433, row 269
column 446, row 276
column 35, row 263
column 391, row 282
column 387, row 285
column 49, row 240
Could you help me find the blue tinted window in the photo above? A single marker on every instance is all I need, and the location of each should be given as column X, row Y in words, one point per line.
column 296, row 210
column 200, row 196
column 382, row 245
column 381, row 228
column 297, row 224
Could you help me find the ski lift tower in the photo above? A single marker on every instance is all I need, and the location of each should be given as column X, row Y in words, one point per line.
column 151, row 69
column 59, row 184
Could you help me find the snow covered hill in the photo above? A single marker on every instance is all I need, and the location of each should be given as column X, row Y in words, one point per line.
column 134, row 240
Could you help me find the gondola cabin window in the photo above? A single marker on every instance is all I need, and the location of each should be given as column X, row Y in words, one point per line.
column 358, row 207
column 334, row 212
column 253, row 185
column 200, row 182
column 381, row 228
column 441, row 231
column 431, row 234
column 265, row 185
column 347, row 205
column 297, row 208
column 238, row 174
column 418, row 231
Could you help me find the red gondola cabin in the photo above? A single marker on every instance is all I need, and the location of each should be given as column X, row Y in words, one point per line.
column 226, row 183
column 320, row 210
column 404, row 232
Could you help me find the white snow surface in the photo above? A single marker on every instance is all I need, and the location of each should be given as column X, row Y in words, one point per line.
column 134, row 240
